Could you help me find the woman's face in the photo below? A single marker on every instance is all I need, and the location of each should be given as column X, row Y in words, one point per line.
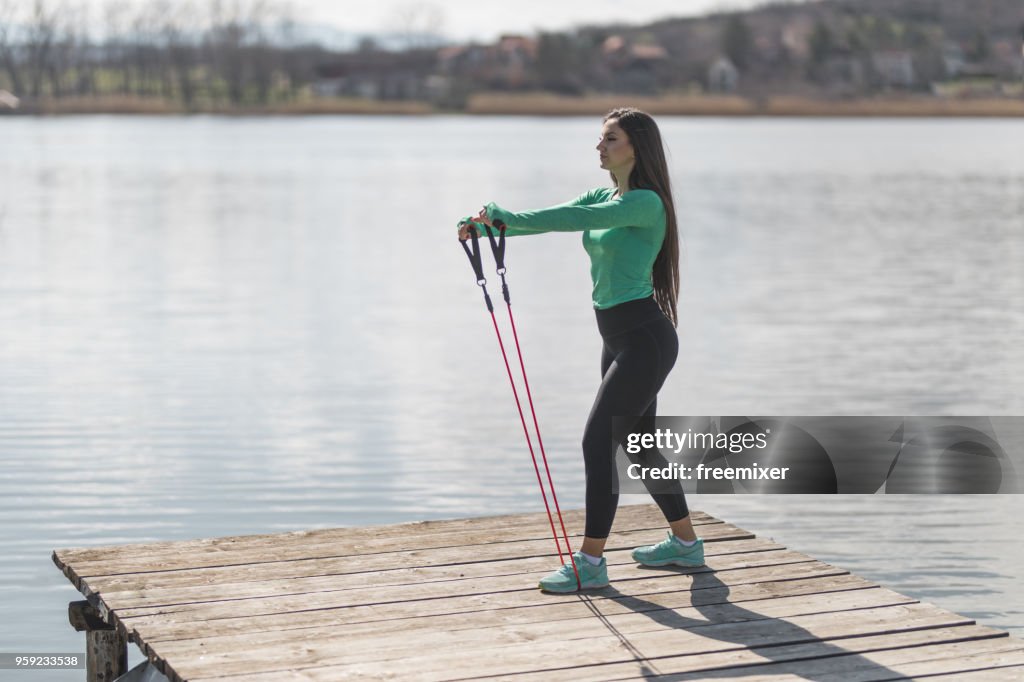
column 615, row 148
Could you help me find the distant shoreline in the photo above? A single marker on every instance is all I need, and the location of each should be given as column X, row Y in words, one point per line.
column 544, row 104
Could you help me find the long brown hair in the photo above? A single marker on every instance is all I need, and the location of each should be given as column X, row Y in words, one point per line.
column 650, row 171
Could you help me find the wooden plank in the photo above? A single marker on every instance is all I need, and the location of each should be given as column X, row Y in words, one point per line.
column 527, row 570
column 225, row 617
column 508, row 658
column 402, row 535
column 1009, row 673
column 457, row 599
column 106, row 655
column 478, row 542
column 740, row 664
column 718, row 666
column 442, row 560
column 1010, row 655
column 499, row 591
column 480, row 608
column 84, row 617
column 374, row 641
column 915, row 662
column 424, row 558
column 570, row 614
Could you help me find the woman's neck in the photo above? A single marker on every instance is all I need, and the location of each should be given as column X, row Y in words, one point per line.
column 623, row 184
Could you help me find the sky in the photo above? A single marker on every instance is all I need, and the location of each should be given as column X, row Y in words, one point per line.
column 457, row 20
column 484, row 20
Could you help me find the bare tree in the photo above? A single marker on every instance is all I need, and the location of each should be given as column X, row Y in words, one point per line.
column 8, row 17
column 82, row 58
column 556, row 64
column 225, row 40
column 737, row 41
column 69, row 52
column 417, row 25
column 115, row 42
column 263, row 15
column 179, row 30
column 40, row 33
column 146, row 53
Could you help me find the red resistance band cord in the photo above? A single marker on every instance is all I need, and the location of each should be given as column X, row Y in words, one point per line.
column 498, row 249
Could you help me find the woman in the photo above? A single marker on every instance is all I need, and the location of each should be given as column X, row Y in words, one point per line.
column 629, row 231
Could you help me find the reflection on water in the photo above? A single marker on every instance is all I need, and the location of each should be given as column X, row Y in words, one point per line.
column 215, row 326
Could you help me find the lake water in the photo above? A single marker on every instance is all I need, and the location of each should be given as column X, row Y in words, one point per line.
column 217, row 326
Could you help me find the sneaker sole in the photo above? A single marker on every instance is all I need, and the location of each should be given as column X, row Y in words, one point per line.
column 671, row 562
column 589, row 586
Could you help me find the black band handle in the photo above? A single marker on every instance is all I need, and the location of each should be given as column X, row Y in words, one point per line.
column 498, row 246
column 498, row 249
column 478, row 267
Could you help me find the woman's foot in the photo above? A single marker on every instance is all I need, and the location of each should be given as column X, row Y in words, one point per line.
column 564, row 579
column 670, row 551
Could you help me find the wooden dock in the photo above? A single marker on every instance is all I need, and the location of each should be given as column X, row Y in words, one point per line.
column 457, row 600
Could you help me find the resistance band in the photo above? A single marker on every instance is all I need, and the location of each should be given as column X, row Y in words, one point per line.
column 498, row 249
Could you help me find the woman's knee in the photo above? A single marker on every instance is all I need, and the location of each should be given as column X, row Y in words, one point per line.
column 596, row 448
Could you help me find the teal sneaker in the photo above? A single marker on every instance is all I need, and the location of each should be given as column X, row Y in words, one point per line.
column 564, row 579
column 670, row 552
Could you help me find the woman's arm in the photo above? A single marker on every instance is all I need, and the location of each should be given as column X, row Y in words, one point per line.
column 511, row 230
column 637, row 208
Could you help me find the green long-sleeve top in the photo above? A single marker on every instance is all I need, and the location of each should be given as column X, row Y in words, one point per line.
column 622, row 235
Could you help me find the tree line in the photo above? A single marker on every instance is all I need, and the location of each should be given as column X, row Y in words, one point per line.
column 223, row 54
column 200, row 54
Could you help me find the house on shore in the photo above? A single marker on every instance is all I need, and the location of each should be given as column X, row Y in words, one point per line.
column 723, row 76
column 376, row 74
column 634, row 67
column 8, row 101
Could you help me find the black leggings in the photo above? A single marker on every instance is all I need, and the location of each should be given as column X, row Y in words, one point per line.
column 640, row 348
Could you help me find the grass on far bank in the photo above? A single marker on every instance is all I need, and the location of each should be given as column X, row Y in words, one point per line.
column 546, row 104
column 127, row 104
column 734, row 105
